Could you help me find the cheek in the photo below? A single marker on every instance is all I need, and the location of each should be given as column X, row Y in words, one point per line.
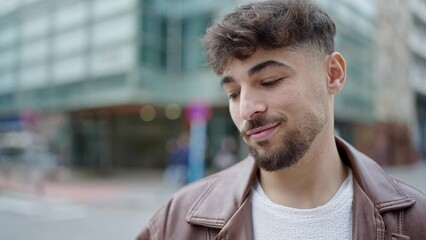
column 286, row 100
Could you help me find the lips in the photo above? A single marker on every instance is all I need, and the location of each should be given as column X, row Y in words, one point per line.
column 262, row 133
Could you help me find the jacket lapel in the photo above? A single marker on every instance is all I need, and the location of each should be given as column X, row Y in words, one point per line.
column 377, row 185
column 238, row 227
column 366, row 222
column 227, row 198
column 374, row 193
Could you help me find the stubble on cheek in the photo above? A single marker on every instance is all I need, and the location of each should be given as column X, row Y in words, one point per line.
column 291, row 145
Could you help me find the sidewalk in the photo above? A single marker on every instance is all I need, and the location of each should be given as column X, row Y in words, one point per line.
column 115, row 206
column 81, row 206
column 142, row 185
column 414, row 175
column 89, row 188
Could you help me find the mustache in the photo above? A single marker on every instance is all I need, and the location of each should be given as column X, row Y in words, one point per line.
column 261, row 121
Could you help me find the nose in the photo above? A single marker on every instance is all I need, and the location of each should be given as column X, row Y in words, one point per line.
column 252, row 105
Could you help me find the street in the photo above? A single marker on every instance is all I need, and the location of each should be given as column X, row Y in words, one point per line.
column 115, row 207
column 35, row 219
column 414, row 175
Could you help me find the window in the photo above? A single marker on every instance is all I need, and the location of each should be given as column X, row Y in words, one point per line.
column 70, row 42
column 8, row 59
column 29, row 1
column 113, row 60
column 35, row 27
column 6, row 81
column 8, row 36
column 116, row 30
column 418, row 72
column 70, row 69
column 172, row 43
column 104, row 8
column 71, row 16
column 153, row 48
column 33, row 77
column 193, row 29
column 8, row 6
column 34, row 52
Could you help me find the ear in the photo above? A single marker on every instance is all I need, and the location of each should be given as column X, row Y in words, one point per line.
column 336, row 73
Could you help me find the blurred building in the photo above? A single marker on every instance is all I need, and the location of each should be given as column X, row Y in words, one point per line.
column 396, row 114
column 381, row 109
column 417, row 74
column 107, row 81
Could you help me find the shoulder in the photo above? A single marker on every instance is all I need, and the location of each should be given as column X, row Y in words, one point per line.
column 222, row 179
column 172, row 215
column 411, row 191
column 414, row 193
column 413, row 217
column 181, row 201
column 205, row 197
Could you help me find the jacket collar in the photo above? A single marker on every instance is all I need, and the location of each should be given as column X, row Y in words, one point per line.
column 230, row 189
column 381, row 189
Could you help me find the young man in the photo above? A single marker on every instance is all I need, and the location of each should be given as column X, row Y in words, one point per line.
column 278, row 66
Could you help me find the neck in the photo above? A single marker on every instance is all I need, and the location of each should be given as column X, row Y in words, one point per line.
column 312, row 182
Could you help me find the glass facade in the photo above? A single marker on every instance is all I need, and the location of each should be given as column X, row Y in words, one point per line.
column 45, row 44
column 417, row 75
column 67, row 56
column 171, row 41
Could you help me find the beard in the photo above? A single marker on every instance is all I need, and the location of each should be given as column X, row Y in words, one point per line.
column 293, row 145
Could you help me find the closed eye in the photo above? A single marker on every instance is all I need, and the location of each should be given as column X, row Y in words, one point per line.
column 233, row 95
column 272, row 83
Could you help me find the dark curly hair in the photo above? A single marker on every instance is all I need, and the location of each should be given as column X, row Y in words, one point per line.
column 268, row 24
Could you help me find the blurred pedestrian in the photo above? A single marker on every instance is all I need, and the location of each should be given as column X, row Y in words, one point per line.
column 226, row 156
column 175, row 175
column 281, row 73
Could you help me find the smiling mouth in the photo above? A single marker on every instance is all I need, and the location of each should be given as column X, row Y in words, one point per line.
column 262, row 133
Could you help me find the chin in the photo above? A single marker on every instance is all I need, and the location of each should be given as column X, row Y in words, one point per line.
column 281, row 157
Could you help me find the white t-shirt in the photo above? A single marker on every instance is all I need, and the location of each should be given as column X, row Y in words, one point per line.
column 332, row 220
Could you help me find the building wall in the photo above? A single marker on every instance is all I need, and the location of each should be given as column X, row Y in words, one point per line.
column 394, row 96
column 416, row 40
column 67, row 57
column 54, row 52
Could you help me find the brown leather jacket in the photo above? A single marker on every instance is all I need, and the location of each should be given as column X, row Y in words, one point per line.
column 218, row 207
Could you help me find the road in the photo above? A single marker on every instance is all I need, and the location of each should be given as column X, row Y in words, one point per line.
column 414, row 175
column 39, row 219
column 112, row 208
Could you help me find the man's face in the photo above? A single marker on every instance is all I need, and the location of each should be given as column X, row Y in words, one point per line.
column 278, row 100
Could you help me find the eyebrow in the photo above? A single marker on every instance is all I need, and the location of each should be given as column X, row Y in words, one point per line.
column 226, row 80
column 255, row 69
column 270, row 63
